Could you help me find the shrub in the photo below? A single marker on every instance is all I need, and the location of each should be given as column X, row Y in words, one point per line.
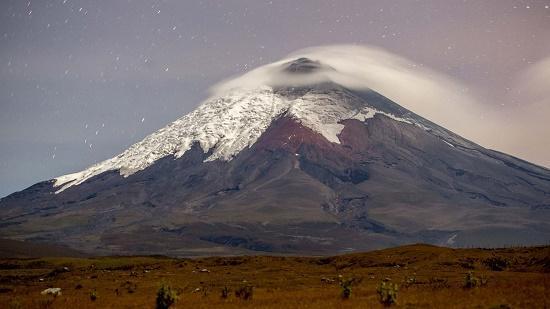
column 245, row 292
column 468, row 263
column 345, row 285
column 93, row 295
column 130, row 286
column 205, row 291
column 410, row 280
column 387, row 293
column 471, row 281
column 166, row 297
column 225, row 292
column 438, row 283
column 497, row 263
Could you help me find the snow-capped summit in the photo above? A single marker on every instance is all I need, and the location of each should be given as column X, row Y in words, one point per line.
column 226, row 124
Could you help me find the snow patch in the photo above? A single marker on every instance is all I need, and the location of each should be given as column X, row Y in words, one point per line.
column 448, row 143
column 451, row 239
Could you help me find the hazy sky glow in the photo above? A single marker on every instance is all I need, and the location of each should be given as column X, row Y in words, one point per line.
column 82, row 80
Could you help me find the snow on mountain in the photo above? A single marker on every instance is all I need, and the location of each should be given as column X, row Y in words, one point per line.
column 228, row 123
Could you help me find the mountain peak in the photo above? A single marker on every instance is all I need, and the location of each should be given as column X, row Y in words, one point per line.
column 303, row 65
column 225, row 125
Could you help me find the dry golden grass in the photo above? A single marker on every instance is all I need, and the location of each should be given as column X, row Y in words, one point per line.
column 286, row 282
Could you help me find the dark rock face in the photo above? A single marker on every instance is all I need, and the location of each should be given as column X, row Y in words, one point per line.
column 386, row 183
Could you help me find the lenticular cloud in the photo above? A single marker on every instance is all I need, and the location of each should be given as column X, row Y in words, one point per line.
column 424, row 91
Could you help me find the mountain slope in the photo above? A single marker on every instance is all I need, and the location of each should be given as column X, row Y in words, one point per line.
column 314, row 169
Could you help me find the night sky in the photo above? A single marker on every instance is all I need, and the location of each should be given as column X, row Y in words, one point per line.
column 80, row 81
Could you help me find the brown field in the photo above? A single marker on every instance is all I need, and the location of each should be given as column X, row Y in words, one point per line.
column 428, row 277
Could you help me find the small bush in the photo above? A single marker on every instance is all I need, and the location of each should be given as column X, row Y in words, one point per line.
column 345, row 285
column 130, row 286
column 93, row 295
column 410, row 280
column 497, row 263
column 438, row 283
column 471, row 281
column 205, row 291
column 387, row 293
column 245, row 292
column 225, row 292
column 166, row 297
column 468, row 263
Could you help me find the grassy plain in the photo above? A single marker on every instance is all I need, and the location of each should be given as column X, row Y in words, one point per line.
column 427, row 276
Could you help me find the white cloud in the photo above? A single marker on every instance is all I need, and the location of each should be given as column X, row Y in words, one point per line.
column 426, row 92
column 524, row 130
column 535, row 81
column 440, row 98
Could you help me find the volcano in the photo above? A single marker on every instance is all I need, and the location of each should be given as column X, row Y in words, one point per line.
column 306, row 168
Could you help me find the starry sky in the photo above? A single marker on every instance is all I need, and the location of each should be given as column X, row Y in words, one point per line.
column 80, row 81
